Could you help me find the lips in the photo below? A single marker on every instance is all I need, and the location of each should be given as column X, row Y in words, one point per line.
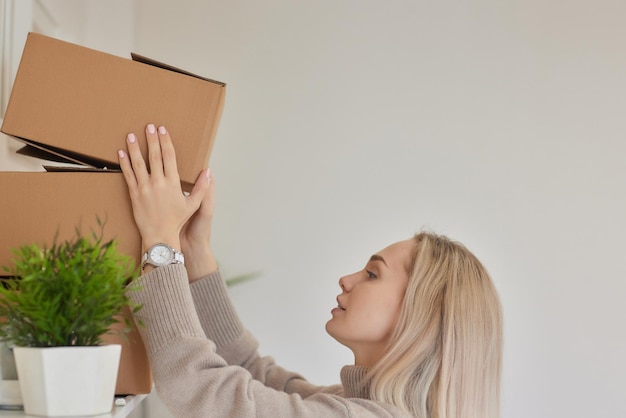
column 339, row 305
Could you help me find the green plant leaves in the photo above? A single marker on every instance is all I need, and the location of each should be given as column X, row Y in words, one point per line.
column 66, row 295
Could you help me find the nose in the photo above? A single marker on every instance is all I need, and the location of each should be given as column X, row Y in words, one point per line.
column 347, row 282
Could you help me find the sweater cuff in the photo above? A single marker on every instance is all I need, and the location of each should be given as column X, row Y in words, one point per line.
column 215, row 309
column 168, row 311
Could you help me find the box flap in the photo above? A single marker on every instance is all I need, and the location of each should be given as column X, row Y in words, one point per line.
column 77, row 169
column 155, row 63
column 49, row 153
column 42, row 154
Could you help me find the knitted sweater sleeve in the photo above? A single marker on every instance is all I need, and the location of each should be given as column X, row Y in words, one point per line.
column 238, row 347
column 193, row 380
column 220, row 321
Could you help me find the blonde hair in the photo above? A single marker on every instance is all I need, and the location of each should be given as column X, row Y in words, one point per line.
column 444, row 360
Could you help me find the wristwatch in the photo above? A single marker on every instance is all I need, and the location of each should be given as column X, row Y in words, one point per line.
column 161, row 255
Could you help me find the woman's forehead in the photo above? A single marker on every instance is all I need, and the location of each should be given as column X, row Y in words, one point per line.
column 399, row 255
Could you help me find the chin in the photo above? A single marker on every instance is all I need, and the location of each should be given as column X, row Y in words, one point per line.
column 329, row 328
column 332, row 332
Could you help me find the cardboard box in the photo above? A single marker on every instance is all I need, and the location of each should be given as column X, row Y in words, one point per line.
column 134, row 375
column 38, row 206
column 80, row 104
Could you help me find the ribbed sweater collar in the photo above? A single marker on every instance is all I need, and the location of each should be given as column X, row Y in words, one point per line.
column 354, row 382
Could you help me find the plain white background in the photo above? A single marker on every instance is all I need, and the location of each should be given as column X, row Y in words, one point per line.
column 353, row 124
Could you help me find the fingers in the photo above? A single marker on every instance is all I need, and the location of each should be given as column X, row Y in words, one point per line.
column 161, row 157
column 139, row 169
column 154, row 151
column 170, row 169
column 208, row 202
column 127, row 170
column 200, row 188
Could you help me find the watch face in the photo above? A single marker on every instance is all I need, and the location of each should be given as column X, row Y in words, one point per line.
column 160, row 254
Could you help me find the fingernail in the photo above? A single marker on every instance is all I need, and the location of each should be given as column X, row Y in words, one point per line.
column 208, row 173
column 162, row 130
column 120, row 153
column 131, row 138
column 151, row 129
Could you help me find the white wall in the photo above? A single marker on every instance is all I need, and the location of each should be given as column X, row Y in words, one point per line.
column 16, row 20
column 350, row 125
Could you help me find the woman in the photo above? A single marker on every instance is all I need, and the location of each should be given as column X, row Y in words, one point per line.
column 422, row 319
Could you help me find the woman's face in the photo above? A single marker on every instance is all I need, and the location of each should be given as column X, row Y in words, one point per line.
column 368, row 307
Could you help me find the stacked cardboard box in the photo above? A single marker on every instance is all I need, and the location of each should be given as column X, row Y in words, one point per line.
column 74, row 104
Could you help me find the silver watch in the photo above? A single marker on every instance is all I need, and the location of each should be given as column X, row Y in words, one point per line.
column 161, row 255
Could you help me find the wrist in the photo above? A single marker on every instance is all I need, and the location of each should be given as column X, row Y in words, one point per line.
column 159, row 255
column 173, row 242
column 200, row 264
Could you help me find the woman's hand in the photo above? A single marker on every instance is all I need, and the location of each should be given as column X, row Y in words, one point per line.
column 195, row 238
column 159, row 206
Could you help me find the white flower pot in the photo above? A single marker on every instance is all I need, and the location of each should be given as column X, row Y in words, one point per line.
column 67, row 381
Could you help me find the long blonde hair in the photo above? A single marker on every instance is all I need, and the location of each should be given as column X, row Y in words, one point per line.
column 446, row 351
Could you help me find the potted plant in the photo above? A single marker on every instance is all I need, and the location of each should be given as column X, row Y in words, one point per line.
column 55, row 310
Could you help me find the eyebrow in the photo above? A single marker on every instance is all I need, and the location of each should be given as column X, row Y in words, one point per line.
column 376, row 257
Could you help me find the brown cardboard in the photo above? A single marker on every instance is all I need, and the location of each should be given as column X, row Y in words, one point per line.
column 81, row 103
column 134, row 375
column 37, row 206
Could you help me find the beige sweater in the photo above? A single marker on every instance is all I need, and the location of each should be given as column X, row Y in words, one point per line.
column 205, row 364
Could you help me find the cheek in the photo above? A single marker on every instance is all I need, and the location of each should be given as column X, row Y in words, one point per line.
column 380, row 316
column 387, row 316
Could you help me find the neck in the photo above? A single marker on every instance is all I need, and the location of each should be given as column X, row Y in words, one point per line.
column 366, row 358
